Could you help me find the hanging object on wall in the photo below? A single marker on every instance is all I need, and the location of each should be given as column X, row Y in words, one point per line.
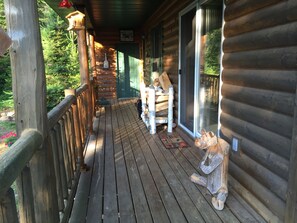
column 105, row 63
column 65, row 4
column 5, row 42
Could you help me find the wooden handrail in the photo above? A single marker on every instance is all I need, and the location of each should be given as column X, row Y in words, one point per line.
column 13, row 161
column 67, row 134
column 57, row 112
column 81, row 89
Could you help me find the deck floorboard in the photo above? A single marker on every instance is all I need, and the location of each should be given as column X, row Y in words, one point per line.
column 134, row 178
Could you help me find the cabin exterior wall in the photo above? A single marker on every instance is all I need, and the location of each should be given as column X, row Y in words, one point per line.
column 105, row 79
column 258, row 101
column 166, row 17
column 258, row 95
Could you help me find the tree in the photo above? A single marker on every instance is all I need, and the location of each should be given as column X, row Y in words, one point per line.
column 5, row 74
column 60, row 52
column 213, row 50
column 60, row 55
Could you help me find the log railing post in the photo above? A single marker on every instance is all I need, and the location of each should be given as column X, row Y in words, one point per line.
column 82, row 117
column 77, row 132
column 77, row 23
column 8, row 211
column 59, row 186
column 30, row 107
column 63, row 170
column 93, row 70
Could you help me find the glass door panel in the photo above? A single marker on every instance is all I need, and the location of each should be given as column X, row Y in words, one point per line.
column 199, row 64
column 209, row 71
column 187, row 69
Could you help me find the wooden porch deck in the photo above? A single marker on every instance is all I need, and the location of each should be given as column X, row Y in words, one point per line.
column 133, row 178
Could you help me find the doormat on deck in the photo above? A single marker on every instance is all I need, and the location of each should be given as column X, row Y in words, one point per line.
column 172, row 141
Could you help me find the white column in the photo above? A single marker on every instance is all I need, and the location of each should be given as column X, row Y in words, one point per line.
column 170, row 109
column 152, row 109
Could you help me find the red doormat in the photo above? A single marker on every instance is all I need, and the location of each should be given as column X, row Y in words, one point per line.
column 172, row 141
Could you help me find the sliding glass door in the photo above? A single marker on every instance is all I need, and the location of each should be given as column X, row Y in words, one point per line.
column 187, row 69
column 199, row 67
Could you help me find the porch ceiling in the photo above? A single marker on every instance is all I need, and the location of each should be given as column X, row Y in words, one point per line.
column 121, row 14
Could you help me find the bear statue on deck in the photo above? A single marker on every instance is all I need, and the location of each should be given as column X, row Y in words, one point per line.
column 215, row 166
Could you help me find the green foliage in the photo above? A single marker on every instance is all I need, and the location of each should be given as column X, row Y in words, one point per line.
column 5, row 73
column 6, row 101
column 2, row 15
column 60, row 55
column 7, row 126
column 212, row 53
column 60, row 52
column 55, row 88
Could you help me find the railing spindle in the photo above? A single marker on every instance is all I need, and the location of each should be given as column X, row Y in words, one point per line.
column 57, row 170
column 67, row 134
column 8, row 211
column 63, row 171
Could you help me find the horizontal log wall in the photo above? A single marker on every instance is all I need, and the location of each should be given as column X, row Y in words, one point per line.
column 258, row 101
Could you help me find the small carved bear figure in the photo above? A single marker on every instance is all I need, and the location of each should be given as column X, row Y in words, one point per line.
column 215, row 165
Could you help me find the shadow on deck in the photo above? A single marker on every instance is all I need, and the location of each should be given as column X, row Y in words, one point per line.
column 133, row 178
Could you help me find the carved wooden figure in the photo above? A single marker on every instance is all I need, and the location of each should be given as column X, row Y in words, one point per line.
column 215, row 165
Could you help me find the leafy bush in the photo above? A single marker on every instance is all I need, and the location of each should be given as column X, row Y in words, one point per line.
column 60, row 55
column 212, row 53
column 56, row 84
column 6, row 101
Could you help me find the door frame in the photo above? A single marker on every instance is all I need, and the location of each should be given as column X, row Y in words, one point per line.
column 195, row 132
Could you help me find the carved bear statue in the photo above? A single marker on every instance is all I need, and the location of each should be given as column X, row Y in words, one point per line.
column 215, row 166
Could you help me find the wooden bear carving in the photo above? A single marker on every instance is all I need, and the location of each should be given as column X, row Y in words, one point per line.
column 215, row 166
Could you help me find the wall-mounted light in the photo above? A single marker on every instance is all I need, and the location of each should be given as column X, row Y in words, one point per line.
column 65, row 4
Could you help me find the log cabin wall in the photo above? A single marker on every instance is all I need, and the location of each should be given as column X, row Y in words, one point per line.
column 167, row 16
column 105, row 80
column 258, row 94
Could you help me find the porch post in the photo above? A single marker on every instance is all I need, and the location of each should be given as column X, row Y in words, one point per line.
column 93, row 68
column 29, row 92
column 77, row 23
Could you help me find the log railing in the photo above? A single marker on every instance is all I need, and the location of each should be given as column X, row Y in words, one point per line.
column 67, row 131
